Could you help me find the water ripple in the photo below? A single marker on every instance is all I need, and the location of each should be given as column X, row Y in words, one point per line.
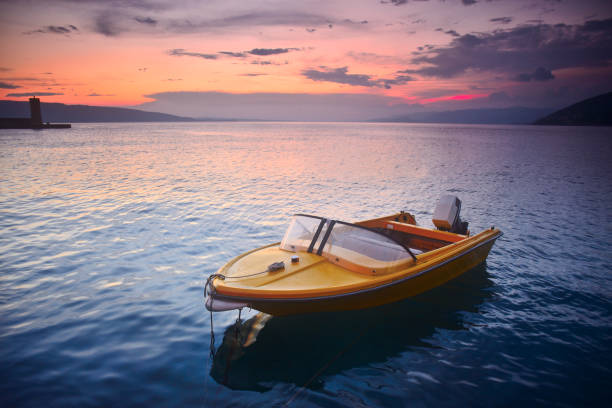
column 110, row 230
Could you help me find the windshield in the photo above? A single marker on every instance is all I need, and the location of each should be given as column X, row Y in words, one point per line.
column 364, row 242
column 301, row 232
column 350, row 242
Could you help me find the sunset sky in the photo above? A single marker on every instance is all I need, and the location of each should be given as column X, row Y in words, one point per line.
column 306, row 60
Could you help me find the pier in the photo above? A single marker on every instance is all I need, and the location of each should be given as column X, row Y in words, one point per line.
column 33, row 122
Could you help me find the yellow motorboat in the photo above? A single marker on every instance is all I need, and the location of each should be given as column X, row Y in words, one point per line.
column 326, row 265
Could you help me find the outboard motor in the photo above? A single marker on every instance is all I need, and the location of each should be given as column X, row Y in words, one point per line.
column 446, row 215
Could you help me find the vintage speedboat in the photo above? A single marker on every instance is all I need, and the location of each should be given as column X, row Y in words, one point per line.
column 328, row 265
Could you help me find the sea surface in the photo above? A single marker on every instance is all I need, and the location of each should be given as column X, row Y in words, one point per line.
column 109, row 231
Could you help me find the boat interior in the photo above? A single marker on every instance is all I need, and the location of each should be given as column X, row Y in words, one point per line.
column 399, row 228
column 372, row 247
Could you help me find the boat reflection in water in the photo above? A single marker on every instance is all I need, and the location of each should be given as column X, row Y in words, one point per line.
column 258, row 353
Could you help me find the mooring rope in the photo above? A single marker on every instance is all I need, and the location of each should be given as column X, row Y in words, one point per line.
column 271, row 268
column 324, row 367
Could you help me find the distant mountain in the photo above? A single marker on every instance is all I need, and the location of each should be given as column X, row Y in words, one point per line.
column 596, row 111
column 59, row 112
column 497, row 116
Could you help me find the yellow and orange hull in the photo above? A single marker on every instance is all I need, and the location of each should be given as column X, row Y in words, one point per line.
column 315, row 284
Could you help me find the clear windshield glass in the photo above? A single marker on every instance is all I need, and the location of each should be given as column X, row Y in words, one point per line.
column 300, row 233
column 353, row 243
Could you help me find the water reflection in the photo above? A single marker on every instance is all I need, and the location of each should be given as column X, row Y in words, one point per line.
column 258, row 353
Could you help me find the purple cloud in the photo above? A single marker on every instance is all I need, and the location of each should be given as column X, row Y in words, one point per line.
column 180, row 52
column 146, row 20
column 53, row 29
column 34, row 94
column 270, row 51
column 501, row 20
column 6, row 85
column 341, row 76
column 518, row 50
column 540, row 74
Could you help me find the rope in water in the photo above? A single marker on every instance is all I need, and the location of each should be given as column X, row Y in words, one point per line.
column 212, row 330
column 272, row 267
column 324, row 367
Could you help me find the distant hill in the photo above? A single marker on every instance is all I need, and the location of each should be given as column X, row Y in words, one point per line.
column 59, row 112
column 596, row 111
column 497, row 116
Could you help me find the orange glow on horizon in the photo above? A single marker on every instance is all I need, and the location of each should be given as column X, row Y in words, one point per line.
column 390, row 53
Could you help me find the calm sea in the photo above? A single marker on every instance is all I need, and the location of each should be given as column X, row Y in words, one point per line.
column 108, row 232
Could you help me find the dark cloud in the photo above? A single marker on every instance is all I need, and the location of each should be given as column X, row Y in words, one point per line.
column 449, row 32
column 341, row 76
column 146, row 20
column 594, row 26
column 233, row 54
column 40, row 81
column 253, row 74
column 266, row 18
column 397, row 2
column 398, row 80
column 6, row 85
column 114, row 18
column 23, row 79
column 540, row 74
column 180, row 52
column 34, row 94
column 423, row 48
column 349, row 21
column 518, row 50
column 258, row 52
column 58, row 29
column 270, row 51
column 501, row 20
column 112, row 21
column 255, row 19
column 311, row 30
column 4, row 69
column 402, row 2
column 264, row 62
column 107, row 24
column 125, row 4
column 53, row 29
column 369, row 57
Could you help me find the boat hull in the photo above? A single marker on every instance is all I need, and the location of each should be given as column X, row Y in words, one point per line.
column 434, row 275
